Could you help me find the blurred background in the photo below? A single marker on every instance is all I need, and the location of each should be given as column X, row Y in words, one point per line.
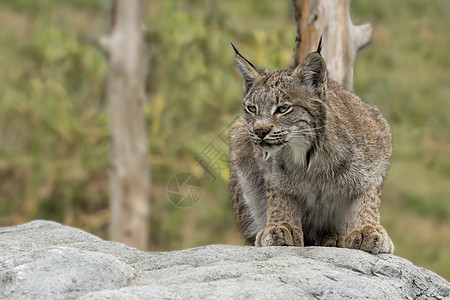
column 54, row 139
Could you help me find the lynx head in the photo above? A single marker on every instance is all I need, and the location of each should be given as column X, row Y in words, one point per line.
column 285, row 108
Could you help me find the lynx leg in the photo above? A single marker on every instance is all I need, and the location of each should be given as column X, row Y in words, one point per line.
column 283, row 223
column 364, row 231
column 241, row 213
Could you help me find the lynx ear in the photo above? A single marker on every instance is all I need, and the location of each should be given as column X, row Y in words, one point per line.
column 312, row 73
column 248, row 70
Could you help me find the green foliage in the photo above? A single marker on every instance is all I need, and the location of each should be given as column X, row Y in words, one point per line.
column 54, row 138
column 43, row 5
column 53, row 127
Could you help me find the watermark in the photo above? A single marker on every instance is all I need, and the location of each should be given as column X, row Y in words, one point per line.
column 184, row 190
column 212, row 158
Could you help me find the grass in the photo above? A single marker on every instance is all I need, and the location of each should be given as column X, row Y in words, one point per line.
column 54, row 138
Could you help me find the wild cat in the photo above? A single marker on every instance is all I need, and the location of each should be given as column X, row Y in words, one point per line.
column 308, row 159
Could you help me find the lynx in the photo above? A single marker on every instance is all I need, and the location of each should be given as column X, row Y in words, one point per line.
column 307, row 160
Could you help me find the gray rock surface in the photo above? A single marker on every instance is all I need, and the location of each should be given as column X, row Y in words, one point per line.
column 45, row 260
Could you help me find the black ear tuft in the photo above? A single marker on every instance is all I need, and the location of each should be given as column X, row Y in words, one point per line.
column 240, row 55
column 319, row 48
column 249, row 72
column 234, row 48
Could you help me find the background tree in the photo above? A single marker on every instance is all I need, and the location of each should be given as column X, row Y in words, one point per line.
column 341, row 39
column 129, row 173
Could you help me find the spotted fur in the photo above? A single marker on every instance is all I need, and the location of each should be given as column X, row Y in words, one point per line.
column 308, row 159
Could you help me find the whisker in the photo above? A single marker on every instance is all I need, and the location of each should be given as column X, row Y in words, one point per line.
column 306, row 129
column 305, row 132
column 301, row 135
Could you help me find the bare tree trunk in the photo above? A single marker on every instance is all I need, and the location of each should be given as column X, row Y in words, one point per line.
column 341, row 39
column 129, row 174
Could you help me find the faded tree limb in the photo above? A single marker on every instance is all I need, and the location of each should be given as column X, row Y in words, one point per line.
column 341, row 39
column 129, row 173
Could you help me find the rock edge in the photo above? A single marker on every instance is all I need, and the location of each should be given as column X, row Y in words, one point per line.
column 46, row 260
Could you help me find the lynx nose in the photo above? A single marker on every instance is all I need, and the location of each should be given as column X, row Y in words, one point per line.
column 261, row 132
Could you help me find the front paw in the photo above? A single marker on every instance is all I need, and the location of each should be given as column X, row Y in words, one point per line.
column 332, row 240
column 371, row 239
column 280, row 234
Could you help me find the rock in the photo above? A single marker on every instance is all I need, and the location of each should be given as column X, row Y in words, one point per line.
column 45, row 260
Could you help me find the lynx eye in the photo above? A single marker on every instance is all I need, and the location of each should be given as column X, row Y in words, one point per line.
column 251, row 109
column 283, row 109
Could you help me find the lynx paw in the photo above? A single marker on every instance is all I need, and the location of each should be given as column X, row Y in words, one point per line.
column 371, row 239
column 333, row 240
column 281, row 234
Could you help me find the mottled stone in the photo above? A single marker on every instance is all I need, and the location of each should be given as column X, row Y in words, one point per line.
column 45, row 260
